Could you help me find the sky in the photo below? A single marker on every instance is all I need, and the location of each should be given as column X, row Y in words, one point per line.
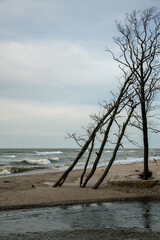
column 54, row 69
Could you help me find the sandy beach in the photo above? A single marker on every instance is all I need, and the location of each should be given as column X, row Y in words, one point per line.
column 122, row 183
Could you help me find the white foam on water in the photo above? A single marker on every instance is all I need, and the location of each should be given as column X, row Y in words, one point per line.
column 154, row 158
column 39, row 162
column 80, row 163
column 9, row 156
column 5, row 172
column 57, row 152
column 48, row 153
column 132, row 160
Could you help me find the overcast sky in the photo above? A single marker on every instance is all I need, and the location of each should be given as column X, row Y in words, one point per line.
column 54, row 69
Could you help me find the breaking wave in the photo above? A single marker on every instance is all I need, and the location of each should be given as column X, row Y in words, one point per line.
column 38, row 162
column 19, row 161
column 5, row 172
column 11, row 170
column 80, row 163
column 132, row 160
column 53, row 159
column 47, row 153
column 9, row 156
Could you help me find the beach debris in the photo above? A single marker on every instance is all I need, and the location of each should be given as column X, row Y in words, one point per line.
column 6, row 181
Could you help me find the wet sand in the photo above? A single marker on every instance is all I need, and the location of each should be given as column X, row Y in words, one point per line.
column 122, row 183
column 105, row 234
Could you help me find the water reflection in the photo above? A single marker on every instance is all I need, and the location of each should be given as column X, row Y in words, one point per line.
column 129, row 215
column 146, row 213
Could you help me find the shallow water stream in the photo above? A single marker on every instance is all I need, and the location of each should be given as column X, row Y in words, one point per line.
column 129, row 220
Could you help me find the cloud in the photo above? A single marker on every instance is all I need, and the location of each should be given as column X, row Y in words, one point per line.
column 53, row 62
column 29, row 117
column 53, row 67
column 55, row 70
column 42, row 19
column 35, row 124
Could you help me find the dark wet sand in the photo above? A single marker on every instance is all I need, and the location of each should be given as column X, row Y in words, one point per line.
column 105, row 234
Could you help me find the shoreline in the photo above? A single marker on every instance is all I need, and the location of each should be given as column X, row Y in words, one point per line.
column 155, row 198
column 121, row 184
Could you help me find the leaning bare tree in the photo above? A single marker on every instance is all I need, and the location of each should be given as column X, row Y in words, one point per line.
column 139, row 61
column 101, row 127
column 139, row 43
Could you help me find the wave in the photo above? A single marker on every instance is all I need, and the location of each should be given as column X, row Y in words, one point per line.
column 44, row 161
column 5, row 172
column 53, row 159
column 38, row 162
column 47, row 153
column 12, row 170
column 80, row 163
column 9, row 156
column 57, row 152
column 154, row 158
column 132, row 160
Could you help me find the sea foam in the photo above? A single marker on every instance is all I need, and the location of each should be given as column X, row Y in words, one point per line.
column 5, row 172
column 48, row 153
column 39, row 162
column 9, row 156
column 132, row 160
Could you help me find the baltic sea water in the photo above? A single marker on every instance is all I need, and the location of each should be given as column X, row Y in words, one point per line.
column 26, row 161
column 134, row 220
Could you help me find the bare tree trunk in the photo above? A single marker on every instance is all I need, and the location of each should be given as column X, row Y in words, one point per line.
column 113, row 108
column 100, row 150
column 145, row 135
column 61, row 180
column 85, row 167
column 114, row 152
column 65, row 174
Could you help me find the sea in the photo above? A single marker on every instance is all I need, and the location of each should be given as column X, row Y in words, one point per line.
column 43, row 160
column 95, row 221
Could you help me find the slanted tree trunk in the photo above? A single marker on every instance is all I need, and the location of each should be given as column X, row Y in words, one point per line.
column 122, row 95
column 86, row 164
column 61, row 180
column 65, row 174
column 100, row 150
column 111, row 113
column 115, row 151
column 139, row 43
